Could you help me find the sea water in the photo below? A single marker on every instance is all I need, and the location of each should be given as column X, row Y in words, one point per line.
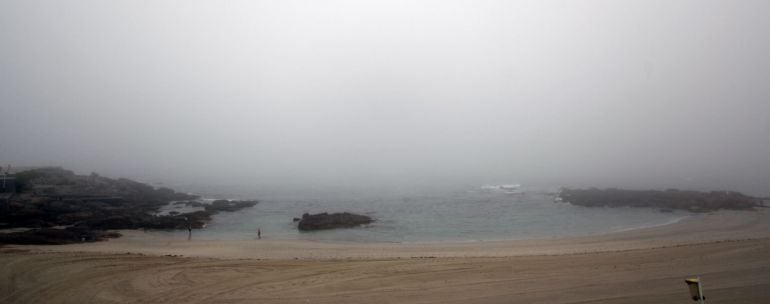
column 471, row 214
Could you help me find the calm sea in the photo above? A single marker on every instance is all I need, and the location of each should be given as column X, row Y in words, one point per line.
column 471, row 214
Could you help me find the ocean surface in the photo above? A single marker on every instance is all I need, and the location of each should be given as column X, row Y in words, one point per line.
column 480, row 213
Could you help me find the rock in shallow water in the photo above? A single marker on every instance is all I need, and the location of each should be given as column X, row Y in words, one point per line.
column 322, row 221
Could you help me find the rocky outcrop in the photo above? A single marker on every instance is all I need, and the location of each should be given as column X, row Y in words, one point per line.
column 321, row 221
column 61, row 183
column 55, row 197
column 51, row 236
column 228, row 206
column 664, row 200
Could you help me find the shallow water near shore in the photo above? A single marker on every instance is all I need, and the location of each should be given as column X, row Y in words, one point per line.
column 481, row 213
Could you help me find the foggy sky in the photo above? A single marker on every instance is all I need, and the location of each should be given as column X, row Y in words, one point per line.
column 640, row 94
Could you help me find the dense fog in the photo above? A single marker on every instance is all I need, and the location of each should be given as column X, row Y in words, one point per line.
column 293, row 94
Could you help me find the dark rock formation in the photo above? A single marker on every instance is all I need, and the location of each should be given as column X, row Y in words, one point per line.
column 55, row 197
column 664, row 200
column 310, row 222
column 50, row 236
column 229, row 206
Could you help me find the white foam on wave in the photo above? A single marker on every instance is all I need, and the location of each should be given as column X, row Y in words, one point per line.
column 652, row 225
column 501, row 187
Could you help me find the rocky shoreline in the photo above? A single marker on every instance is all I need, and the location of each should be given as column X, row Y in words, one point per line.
column 61, row 207
column 693, row 201
column 56, row 206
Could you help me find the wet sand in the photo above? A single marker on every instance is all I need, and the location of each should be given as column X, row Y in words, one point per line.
column 729, row 250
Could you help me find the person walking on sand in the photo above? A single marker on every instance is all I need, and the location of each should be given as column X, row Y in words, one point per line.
column 259, row 234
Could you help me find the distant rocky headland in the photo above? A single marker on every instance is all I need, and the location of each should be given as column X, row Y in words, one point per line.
column 62, row 207
column 694, row 201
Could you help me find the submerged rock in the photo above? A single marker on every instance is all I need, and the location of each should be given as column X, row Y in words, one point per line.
column 321, row 221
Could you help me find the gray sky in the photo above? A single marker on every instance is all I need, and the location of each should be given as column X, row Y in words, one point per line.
column 578, row 93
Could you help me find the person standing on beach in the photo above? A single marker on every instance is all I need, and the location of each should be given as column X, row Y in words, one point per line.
column 189, row 228
column 259, row 234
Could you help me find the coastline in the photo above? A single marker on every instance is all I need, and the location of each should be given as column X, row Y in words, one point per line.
column 730, row 250
column 670, row 222
column 697, row 229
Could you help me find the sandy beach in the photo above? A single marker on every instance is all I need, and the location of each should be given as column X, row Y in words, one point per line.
column 730, row 250
column 405, row 152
